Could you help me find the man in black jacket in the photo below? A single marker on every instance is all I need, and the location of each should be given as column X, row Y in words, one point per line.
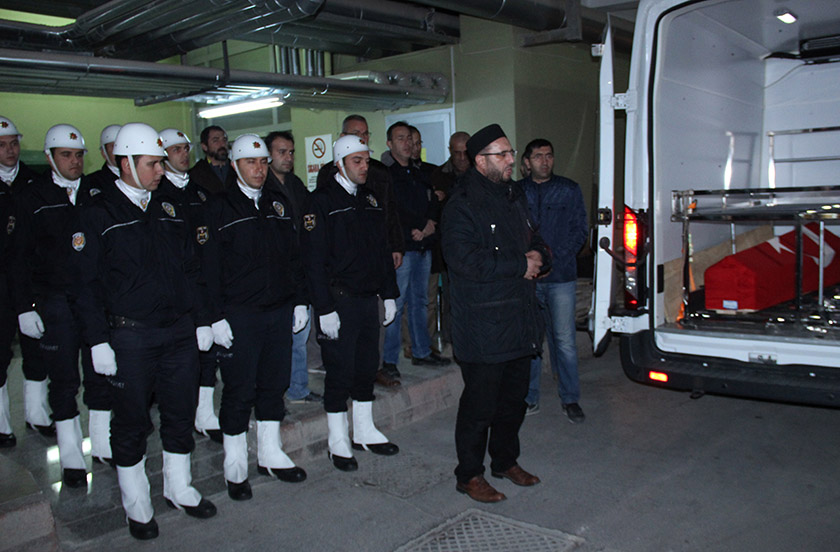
column 494, row 255
column 138, row 298
column 44, row 212
column 191, row 197
column 109, row 171
column 281, row 177
column 348, row 264
column 214, row 172
column 16, row 176
column 255, row 281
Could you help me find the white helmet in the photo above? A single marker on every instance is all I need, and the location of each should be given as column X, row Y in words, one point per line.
column 173, row 136
column 346, row 145
column 249, row 145
column 8, row 128
column 63, row 136
column 138, row 139
column 109, row 134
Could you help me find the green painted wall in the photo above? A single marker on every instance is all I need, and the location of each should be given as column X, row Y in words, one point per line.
column 34, row 114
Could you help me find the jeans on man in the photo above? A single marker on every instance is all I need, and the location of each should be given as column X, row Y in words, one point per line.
column 557, row 303
column 413, row 282
column 299, row 383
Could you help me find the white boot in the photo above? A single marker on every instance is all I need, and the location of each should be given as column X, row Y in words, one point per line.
column 271, row 460
column 365, row 434
column 205, row 417
column 69, row 434
column 134, row 488
column 269, row 447
column 177, row 480
column 338, row 442
column 5, row 417
column 35, row 404
column 99, row 429
column 236, row 457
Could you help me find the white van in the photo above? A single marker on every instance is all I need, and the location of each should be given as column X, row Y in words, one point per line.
column 732, row 179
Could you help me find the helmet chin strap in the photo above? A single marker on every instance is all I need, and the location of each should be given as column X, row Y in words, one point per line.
column 134, row 172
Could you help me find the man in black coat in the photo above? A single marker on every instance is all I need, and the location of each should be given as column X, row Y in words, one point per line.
column 494, row 255
column 214, row 172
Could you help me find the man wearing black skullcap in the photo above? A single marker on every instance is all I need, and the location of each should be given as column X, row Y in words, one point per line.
column 494, row 256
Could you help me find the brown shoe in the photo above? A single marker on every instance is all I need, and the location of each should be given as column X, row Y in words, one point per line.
column 479, row 489
column 385, row 379
column 518, row 476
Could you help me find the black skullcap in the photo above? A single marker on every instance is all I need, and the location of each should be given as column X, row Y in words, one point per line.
column 484, row 138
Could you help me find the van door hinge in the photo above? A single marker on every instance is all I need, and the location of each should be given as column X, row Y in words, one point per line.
column 626, row 101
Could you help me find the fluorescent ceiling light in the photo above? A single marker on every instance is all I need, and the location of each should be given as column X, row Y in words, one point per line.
column 785, row 15
column 241, row 107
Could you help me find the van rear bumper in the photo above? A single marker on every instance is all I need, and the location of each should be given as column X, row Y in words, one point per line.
column 800, row 384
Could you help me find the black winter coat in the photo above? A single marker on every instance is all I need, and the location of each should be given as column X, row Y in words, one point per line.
column 486, row 233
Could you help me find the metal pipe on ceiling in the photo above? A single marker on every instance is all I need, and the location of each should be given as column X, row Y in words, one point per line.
column 536, row 15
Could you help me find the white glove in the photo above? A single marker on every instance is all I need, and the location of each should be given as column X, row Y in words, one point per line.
column 390, row 311
column 204, row 336
column 301, row 317
column 31, row 324
column 222, row 334
column 104, row 359
column 330, row 324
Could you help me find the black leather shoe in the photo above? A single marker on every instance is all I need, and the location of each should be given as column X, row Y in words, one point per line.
column 143, row 531
column 205, row 509
column 432, row 360
column 289, row 475
column 74, row 478
column 214, row 435
column 385, row 449
column 239, row 491
column 7, row 440
column 46, row 431
column 342, row 463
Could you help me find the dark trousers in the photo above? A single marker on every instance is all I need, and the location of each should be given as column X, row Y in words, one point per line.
column 493, row 401
column 256, row 369
column 351, row 360
column 209, row 362
column 163, row 361
column 60, row 347
column 33, row 367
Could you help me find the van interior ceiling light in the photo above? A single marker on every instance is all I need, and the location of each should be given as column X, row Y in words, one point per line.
column 239, row 107
column 785, row 15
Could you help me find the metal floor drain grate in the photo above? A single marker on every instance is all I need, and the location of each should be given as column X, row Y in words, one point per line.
column 403, row 475
column 476, row 530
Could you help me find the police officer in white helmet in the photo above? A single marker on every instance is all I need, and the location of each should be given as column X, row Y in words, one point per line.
column 251, row 263
column 44, row 212
column 109, row 171
column 349, row 265
column 191, row 197
column 14, row 177
column 140, row 304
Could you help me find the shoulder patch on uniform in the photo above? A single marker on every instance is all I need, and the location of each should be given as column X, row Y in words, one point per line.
column 372, row 200
column 309, row 222
column 278, row 208
column 94, row 191
column 201, row 235
column 79, row 241
column 170, row 210
column 10, row 225
column 201, row 195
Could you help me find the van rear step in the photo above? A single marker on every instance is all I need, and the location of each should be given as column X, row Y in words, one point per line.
column 800, row 384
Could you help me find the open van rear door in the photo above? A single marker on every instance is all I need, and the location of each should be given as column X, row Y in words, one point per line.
column 599, row 321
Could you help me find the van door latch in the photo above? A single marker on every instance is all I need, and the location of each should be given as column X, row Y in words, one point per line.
column 626, row 101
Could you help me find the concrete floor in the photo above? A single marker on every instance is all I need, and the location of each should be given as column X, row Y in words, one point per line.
column 649, row 470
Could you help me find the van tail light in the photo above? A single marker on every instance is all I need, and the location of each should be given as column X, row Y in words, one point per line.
column 634, row 238
column 658, row 376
